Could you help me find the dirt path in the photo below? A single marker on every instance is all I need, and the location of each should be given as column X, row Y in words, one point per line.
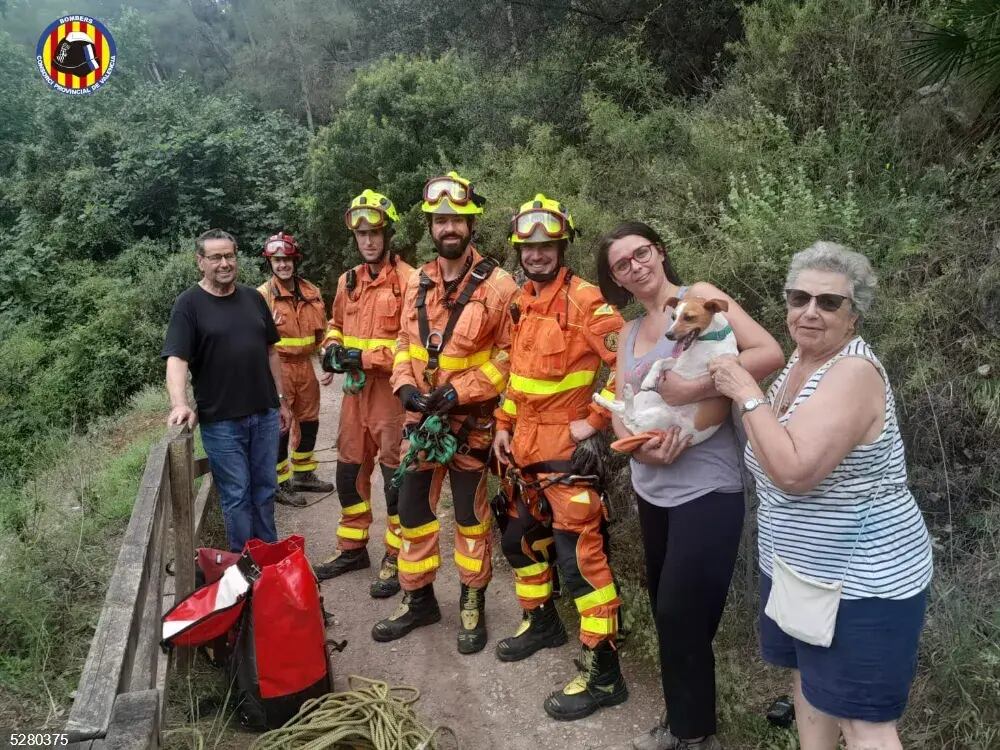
column 490, row 705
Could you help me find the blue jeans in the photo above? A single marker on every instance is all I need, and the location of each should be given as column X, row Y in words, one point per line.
column 242, row 454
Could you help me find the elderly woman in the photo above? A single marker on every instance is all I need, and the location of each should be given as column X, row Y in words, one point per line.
column 690, row 499
column 837, row 522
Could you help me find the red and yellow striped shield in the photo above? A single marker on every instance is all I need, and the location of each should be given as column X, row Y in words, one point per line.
column 76, row 54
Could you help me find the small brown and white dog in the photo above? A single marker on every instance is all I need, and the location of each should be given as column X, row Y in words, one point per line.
column 701, row 333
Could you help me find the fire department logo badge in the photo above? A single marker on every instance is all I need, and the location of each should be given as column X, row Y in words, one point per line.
column 75, row 55
column 611, row 341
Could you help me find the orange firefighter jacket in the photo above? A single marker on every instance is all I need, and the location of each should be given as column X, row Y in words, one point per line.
column 300, row 321
column 475, row 358
column 366, row 313
column 559, row 342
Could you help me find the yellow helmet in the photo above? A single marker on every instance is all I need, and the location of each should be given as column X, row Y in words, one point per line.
column 371, row 207
column 451, row 194
column 541, row 220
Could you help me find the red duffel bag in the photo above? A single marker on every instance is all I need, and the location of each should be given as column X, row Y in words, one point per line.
column 271, row 598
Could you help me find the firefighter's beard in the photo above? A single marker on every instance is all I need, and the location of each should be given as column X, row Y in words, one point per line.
column 451, row 250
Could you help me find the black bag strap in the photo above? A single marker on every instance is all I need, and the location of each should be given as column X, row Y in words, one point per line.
column 480, row 272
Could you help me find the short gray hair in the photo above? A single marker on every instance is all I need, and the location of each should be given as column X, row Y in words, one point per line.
column 214, row 234
column 829, row 256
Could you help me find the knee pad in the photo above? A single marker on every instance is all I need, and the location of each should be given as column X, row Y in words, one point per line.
column 307, row 436
column 347, row 483
column 414, row 499
column 566, row 559
column 391, row 492
column 463, row 489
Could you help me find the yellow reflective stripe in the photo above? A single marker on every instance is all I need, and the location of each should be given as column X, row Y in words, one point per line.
column 392, row 540
column 283, row 465
column 419, row 531
column 599, row 625
column 609, row 395
column 581, row 497
column 335, row 333
column 284, row 476
column 400, row 358
column 533, row 590
column 394, row 520
column 548, row 387
column 419, row 566
column 509, row 407
column 478, row 530
column 346, row 532
column 451, row 363
column 531, row 570
column 357, row 509
column 468, row 563
column 603, row 595
column 296, row 454
column 368, row 344
column 496, row 377
column 304, row 341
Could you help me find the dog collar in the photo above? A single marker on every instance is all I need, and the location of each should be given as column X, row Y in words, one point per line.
column 717, row 335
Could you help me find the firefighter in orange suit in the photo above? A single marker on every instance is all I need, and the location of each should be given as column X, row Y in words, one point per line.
column 297, row 307
column 361, row 342
column 451, row 365
column 563, row 331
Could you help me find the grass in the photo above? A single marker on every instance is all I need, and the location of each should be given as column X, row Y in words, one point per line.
column 59, row 538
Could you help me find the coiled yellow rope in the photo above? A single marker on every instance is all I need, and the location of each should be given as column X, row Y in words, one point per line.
column 369, row 716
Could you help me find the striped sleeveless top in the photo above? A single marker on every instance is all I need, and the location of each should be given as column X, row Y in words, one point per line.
column 816, row 532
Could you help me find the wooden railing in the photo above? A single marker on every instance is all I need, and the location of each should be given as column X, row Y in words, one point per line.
column 119, row 702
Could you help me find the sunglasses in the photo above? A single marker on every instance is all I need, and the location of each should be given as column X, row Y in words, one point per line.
column 827, row 302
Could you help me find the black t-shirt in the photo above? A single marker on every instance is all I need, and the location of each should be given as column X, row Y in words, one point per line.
column 224, row 341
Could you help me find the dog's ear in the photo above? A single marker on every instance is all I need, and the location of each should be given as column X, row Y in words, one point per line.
column 672, row 302
column 717, row 305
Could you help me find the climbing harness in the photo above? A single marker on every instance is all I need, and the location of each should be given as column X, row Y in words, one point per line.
column 431, row 442
column 435, row 341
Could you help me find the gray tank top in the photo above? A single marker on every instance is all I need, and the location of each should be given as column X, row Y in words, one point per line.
column 711, row 466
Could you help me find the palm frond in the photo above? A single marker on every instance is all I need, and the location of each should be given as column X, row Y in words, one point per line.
column 937, row 53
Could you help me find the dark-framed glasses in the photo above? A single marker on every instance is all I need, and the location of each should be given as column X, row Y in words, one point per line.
column 640, row 255
column 827, row 301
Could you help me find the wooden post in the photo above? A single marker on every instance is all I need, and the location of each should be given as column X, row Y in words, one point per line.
column 182, row 508
column 135, row 722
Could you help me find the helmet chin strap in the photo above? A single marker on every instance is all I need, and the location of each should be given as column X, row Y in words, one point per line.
column 542, row 277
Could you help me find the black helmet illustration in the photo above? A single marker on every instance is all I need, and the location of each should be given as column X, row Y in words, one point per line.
column 76, row 55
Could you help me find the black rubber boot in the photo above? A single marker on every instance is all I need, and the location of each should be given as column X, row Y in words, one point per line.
column 286, row 496
column 343, row 561
column 472, row 612
column 540, row 628
column 387, row 583
column 600, row 683
column 418, row 608
column 307, row 481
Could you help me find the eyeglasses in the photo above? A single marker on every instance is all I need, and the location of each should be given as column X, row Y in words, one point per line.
column 218, row 258
column 827, row 302
column 640, row 255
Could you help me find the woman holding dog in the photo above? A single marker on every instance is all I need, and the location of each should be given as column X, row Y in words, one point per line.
column 845, row 556
column 690, row 498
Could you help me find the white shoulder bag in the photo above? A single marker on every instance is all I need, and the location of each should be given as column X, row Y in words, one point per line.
column 803, row 607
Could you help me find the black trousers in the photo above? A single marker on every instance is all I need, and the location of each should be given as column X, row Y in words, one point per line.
column 690, row 556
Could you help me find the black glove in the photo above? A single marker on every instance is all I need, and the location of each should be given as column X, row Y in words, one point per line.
column 330, row 362
column 443, row 399
column 412, row 399
column 350, row 359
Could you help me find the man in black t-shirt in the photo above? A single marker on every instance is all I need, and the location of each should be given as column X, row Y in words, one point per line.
column 223, row 333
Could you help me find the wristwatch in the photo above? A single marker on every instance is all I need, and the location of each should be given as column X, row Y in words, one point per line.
column 750, row 404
